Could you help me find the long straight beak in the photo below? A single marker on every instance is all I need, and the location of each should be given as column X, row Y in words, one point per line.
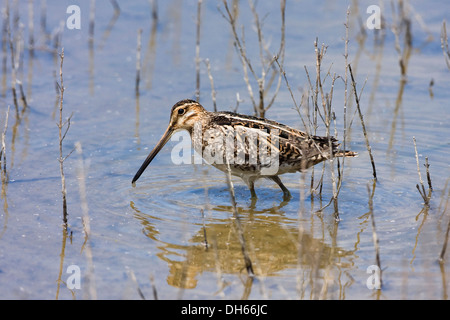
column 166, row 136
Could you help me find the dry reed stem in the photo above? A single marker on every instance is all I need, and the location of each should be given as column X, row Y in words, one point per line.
column 319, row 83
column 266, row 63
column 427, row 166
column 3, row 148
column 240, row 47
column 329, row 116
column 238, row 101
column 326, row 117
column 4, row 175
column 369, row 149
column 283, row 73
column 425, row 197
column 62, row 135
column 417, row 161
column 314, row 92
column 344, row 142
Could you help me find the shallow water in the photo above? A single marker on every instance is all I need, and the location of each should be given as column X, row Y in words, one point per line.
column 152, row 237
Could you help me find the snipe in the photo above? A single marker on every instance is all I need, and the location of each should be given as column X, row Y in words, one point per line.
column 250, row 147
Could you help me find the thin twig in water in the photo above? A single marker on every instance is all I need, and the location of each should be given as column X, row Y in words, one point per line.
column 426, row 198
column 4, row 177
column 240, row 47
column 362, row 122
column 344, row 139
column 417, row 161
column 61, row 139
column 266, row 63
column 283, row 73
column 3, row 148
column 428, row 173
column 238, row 101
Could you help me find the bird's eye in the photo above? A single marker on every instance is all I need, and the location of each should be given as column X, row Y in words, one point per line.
column 181, row 111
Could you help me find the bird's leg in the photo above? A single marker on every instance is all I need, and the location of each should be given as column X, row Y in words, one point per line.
column 286, row 193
